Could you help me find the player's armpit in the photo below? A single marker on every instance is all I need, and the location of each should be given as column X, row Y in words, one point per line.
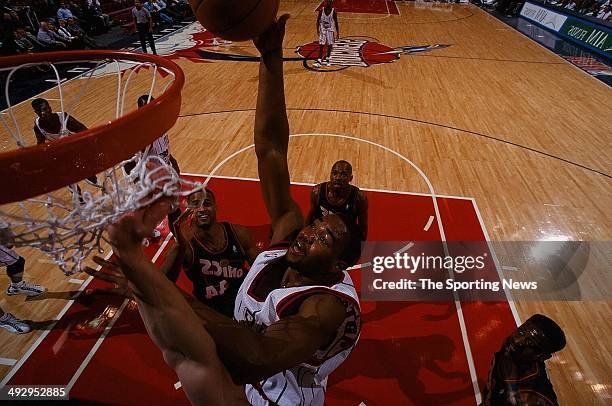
column 290, row 341
column 246, row 242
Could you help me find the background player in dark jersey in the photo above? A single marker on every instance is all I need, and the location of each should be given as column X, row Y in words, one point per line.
column 338, row 196
column 518, row 374
column 215, row 256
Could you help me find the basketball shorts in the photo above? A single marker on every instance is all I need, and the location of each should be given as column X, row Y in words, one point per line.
column 7, row 256
column 326, row 37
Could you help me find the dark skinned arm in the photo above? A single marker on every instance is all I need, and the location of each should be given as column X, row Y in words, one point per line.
column 75, row 125
column 336, row 22
column 40, row 139
column 314, row 202
column 362, row 215
column 246, row 242
column 272, row 136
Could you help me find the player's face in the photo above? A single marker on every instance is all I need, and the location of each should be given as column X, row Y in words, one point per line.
column 204, row 208
column 341, row 175
column 528, row 343
column 318, row 246
column 44, row 111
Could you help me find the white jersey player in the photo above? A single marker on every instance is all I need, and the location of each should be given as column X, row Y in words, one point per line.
column 306, row 382
column 327, row 28
column 298, row 315
column 50, row 126
column 161, row 146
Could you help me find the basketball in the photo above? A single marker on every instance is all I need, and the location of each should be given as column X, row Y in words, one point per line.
column 239, row 20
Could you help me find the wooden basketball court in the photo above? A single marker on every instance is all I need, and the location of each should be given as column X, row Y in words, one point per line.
column 491, row 116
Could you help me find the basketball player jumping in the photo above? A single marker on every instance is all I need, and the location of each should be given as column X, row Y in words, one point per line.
column 50, row 126
column 297, row 311
column 216, row 256
column 338, row 196
column 327, row 28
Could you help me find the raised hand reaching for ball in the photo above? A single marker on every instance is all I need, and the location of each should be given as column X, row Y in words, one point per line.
column 271, row 40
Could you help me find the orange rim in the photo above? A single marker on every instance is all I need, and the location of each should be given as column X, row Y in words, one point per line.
column 39, row 169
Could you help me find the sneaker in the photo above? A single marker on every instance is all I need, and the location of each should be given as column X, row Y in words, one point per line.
column 23, row 288
column 327, row 63
column 13, row 324
column 156, row 233
column 215, row 43
column 317, row 64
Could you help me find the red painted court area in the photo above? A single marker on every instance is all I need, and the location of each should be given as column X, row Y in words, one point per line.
column 408, row 353
column 364, row 6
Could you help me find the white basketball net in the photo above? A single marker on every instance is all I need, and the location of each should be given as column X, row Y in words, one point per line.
column 69, row 226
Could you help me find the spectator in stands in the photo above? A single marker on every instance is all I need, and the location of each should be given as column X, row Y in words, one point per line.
column 180, row 7
column 38, row 46
column 10, row 22
column 144, row 24
column 166, row 10
column 24, row 46
column 63, row 12
column 605, row 12
column 63, row 32
column 76, row 31
column 94, row 8
column 156, row 12
column 49, row 37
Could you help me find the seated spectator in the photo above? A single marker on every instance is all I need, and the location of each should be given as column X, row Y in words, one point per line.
column 164, row 9
column 518, row 374
column 63, row 32
column 605, row 12
column 76, row 31
column 49, row 38
column 155, row 9
column 95, row 10
column 38, row 46
column 180, row 7
column 63, row 13
column 23, row 45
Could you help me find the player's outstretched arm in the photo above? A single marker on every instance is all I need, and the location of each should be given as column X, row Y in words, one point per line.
column 272, row 134
column 170, row 321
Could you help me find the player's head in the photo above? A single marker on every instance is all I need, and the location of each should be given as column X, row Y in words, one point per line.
column 204, row 206
column 138, row 4
column 536, row 339
column 319, row 247
column 341, row 175
column 329, row 3
column 144, row 99
column 41, row 107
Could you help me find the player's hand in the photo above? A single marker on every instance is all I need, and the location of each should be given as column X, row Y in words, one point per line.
column 272, row 39
column 110, row 272
column 127, row 233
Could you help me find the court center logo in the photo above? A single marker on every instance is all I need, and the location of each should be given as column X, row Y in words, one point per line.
column 355, row 52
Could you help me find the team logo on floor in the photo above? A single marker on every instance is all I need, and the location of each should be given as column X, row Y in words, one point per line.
column 349, row 52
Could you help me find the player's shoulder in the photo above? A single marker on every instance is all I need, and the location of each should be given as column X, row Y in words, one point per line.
column 272, row 253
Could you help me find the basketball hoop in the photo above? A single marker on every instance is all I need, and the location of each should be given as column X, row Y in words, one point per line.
column 37, row 210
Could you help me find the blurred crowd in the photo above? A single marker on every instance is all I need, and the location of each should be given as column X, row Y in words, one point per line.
column 592, row 8
column 52, row 25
